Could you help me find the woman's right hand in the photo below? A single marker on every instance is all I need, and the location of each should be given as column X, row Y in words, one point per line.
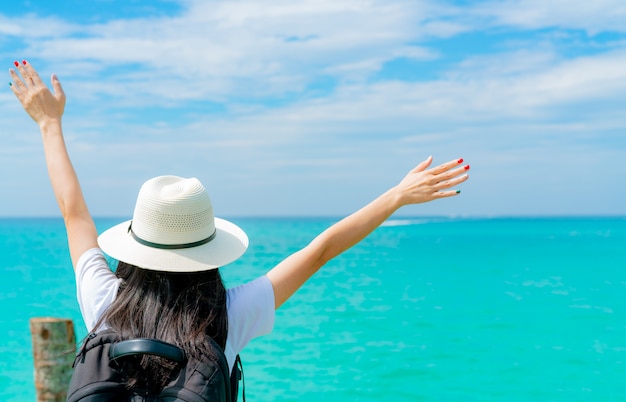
column 41, row 105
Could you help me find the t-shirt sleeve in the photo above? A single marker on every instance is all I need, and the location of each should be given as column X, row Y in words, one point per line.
column 96, row 286
column 250, row 312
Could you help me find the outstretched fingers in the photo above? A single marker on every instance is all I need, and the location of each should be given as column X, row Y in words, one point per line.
column 29, row 77
column 448, row 193
column 26, row 76
column 441, row 188
column 36, row 99
column 446, row 176
column 451, row 173
column 28, row 72
column 17, row 86
column 444, row 167
column 423, row 184
column 24, row 80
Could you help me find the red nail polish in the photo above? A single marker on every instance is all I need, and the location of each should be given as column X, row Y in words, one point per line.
column 460, row 161
column 466, row 167
column 24, row 62
column 16, row 63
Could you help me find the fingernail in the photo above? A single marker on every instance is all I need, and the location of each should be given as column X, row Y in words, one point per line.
column 24, row 62
column 466, row 167
column 10, row 84
column 458, row 191
column 16, row 63
column 460, row 161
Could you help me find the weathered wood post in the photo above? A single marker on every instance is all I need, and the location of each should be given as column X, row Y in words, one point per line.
column 54, row 344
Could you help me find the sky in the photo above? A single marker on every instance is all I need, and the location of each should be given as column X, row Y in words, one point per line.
column 315, row 107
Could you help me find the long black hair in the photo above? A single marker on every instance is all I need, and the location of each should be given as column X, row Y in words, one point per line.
column 179, row 308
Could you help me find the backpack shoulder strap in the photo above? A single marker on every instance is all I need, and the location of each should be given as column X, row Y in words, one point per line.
column 94, row 340
column 93, row 378
column 235, row 377
column 207, row 378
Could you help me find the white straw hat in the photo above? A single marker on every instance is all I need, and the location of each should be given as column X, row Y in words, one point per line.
column 173, row 229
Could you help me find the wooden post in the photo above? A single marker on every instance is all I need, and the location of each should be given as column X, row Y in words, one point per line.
column 54, row 344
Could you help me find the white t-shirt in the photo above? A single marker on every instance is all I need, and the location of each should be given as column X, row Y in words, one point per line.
column 250, row 306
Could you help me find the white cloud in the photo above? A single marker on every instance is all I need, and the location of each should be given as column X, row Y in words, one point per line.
column 222, row 50
column 36, row 27
column 591, row 16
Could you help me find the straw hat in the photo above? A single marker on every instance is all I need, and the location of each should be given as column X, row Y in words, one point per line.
column 173, row 229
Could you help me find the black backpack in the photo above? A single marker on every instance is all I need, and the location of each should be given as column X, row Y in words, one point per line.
column 96, row 376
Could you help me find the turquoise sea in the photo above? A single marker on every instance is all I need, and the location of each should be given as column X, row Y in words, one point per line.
column 425, row 309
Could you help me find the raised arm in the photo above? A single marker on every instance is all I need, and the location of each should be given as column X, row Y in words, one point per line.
column 46, row 109
column 420, row 185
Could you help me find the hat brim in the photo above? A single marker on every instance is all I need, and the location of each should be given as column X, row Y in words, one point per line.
column 230, row 243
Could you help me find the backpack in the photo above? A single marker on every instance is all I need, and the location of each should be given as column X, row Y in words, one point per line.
column 96, row 376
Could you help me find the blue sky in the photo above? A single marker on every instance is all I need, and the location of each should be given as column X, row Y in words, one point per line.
column 315, row 107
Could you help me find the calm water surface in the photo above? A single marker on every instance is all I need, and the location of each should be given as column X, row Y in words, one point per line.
column 423, row 310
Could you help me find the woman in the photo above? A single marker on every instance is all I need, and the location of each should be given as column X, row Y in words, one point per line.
column 167, row 285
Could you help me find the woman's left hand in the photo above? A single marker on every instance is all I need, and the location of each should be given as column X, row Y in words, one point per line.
column 41, row 105
column 422, row 184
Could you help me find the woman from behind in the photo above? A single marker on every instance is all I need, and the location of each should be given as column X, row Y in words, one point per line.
column 167, row 285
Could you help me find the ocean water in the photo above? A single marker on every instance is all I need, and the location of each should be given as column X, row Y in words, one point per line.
column 424, row 309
